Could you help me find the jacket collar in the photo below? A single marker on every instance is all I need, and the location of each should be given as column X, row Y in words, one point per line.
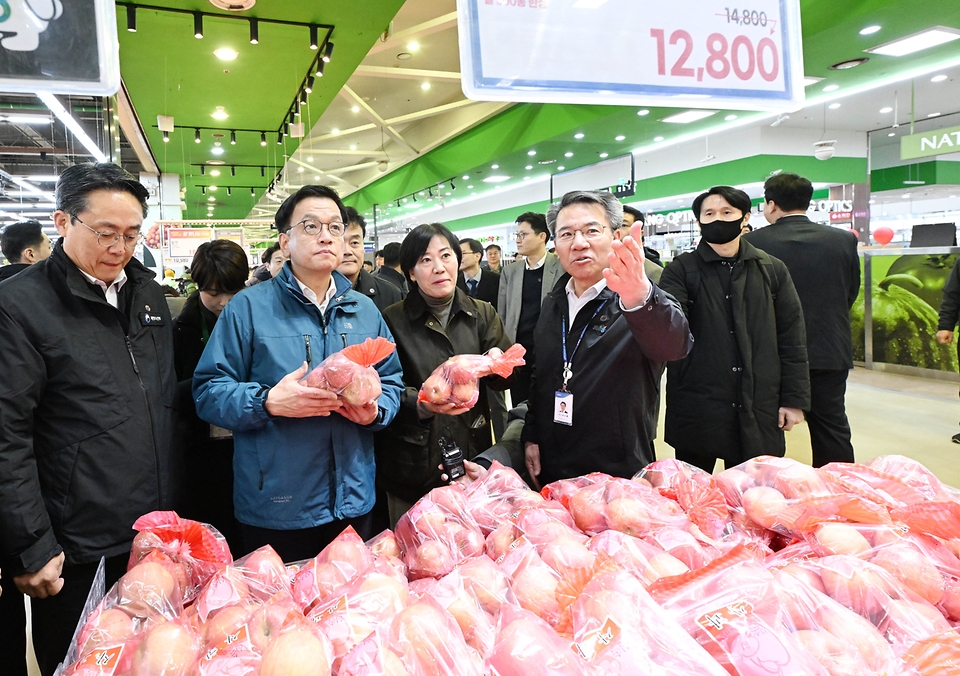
column 288, row 283
column 559, row 292
column 416, row 307
column 792, row 218
column 367, row 282
column 137, row 274
column 747, row 252
column 8, row 271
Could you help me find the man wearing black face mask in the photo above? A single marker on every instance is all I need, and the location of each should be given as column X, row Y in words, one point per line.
column 746, row 380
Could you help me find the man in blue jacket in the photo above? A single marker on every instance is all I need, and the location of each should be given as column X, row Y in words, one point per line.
column 303, row 460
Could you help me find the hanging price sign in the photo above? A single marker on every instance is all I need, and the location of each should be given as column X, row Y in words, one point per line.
column 682, row 53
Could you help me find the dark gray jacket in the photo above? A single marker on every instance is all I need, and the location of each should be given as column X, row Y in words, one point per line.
column 86, row 413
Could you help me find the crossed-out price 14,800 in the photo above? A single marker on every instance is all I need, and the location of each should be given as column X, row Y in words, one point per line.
column 742, row 58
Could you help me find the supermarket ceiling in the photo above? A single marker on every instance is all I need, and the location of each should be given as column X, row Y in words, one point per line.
column 387, row 118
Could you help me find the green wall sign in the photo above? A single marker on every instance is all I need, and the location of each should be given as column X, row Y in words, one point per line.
column 937, row 142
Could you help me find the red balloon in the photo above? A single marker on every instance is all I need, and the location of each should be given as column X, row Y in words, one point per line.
column 883, row 235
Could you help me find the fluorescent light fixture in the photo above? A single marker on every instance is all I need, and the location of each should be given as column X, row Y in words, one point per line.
column 225, row 54
column 26, row 119
column 496, row 178
column 869, row 30
column 932, row 37
column 689, row 116
column 51, row 102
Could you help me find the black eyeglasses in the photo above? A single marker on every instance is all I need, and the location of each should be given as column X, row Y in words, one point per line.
column 108, row 239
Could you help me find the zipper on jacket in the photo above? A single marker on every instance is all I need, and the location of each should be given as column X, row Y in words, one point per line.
column 343, row 337
column 133, row 359
column 261, row 480
column 306, row 341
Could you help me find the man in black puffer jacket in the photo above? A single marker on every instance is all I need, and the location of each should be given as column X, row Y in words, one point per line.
column 86, row 403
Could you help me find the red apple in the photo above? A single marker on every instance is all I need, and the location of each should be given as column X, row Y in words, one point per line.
column 298, row 652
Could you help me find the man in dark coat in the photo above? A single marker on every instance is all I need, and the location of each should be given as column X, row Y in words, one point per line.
column 478, row 283
column 745, row 382
column 825, row 269
column 602, row 338
column 380, row 291
column 390, row 270
column 23, row 244
column 86, row 403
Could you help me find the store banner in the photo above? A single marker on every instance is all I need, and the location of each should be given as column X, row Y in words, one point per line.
column 930, row 143
column 233, row 234
column 182, row 243
column 695, row 53
column 59, row 46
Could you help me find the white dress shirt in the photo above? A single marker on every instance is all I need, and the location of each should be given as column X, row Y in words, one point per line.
column 543, row 259
column 313, row 298
column 113, row 289
column 574, row 303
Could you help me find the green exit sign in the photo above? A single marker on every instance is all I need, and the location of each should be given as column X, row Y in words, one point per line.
column 927, row 144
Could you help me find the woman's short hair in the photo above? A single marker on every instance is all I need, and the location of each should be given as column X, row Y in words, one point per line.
column 220, row 265
column 417, row 241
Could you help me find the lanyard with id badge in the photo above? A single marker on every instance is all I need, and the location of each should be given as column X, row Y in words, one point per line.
column 563, row 399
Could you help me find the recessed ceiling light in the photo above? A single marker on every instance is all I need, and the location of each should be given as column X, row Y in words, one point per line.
column 938, row 78
column 413, row 46
column 310, row 159
column 604, row 154
column 216, row 151
column 214, row 172
column 525, row 178
column 213, row 188
column 620, row 137
column 807, row 81
column 886, row 109
column 833, row 106
column 848, row 64
column 657, row 139
column 689, row 116
column 353, row 147
column 531, row 153
column 469, row 187
column 300, row 169
column 869, row 30
column 906, row 195
column 219, row 114
column 496, row 178
column 355, row 109
column 334, row 131
column 404, row 56
column 316, row 178
column 893, row 133
column 568, row 154
column 873, row 201
column 225, row 54
column 425, row 86
column 211, row 199
column 466, row 177
column 578, row 136
column 560, row 168
column 831, row 88
column 914, row 43
column 473, row 193
column 528, row 167
column 730, row 118
column 934, row 115
column 494, row 166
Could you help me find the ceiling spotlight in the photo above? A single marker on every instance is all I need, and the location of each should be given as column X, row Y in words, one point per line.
column 132, row 18
column 852, row 63
column 578, row 136
column 604, row 155
column 290, row 120
column 254, row 31
column 263, row 138
column 494, row 166
column 452, row 185
column 219, row 114
column 279, row 138
column 198, row 25
column 313, row 37
column 308, row 88
column 213, row 172
column 213, row 188
column 869, row 30
column 938, row 78
column 328, row 52
column 233, row 138
column 642, row 112
column 233, row 170
column 263, row 170
column 217, row 150
column 203, row 188
column 196, row 135
column 253, row 193
column 886, row 109
column 833, row 106
column 211, row 199
column 320, row 66
column 657, row 139
column 229, row 191
column 166, row 137
column 620, row 138
column 531, row 153
column 425, row 86
column 225, row 54
column 528, row 167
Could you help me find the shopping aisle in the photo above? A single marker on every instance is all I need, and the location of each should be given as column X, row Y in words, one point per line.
column 891, row 414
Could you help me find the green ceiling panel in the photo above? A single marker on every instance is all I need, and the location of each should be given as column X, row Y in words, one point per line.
column 168, row 71
column 934, row 172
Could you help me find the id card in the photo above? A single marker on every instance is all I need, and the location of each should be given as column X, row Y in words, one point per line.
column 563, row 408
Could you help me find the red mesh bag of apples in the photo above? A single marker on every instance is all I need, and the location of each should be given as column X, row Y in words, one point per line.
column 456, row 381
column 351, row 373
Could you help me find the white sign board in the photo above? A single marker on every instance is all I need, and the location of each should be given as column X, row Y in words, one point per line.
column 59, row 46
column 184, row 242
column 677, row 53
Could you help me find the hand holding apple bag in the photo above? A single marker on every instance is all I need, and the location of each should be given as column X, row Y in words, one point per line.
column 456, row 381
column 350, row 374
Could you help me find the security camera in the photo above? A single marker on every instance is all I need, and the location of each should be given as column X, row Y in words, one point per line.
column 382, row 166
column 824, row 150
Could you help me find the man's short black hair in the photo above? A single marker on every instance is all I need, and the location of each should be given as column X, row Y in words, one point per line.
column 19, row 236
column 78, row 181
column 417, row 241
column 538, row 222
column 475, row 246
column 285, row 212
column 493, row 246
column 268, row 253
column 378, row 254
column 790, row 192
column 354, row 218
column 734, row 197
column 391, row 254
column 220, row 265
column 636, row 213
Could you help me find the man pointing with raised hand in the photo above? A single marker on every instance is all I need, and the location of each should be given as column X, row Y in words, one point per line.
column 603, row 336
